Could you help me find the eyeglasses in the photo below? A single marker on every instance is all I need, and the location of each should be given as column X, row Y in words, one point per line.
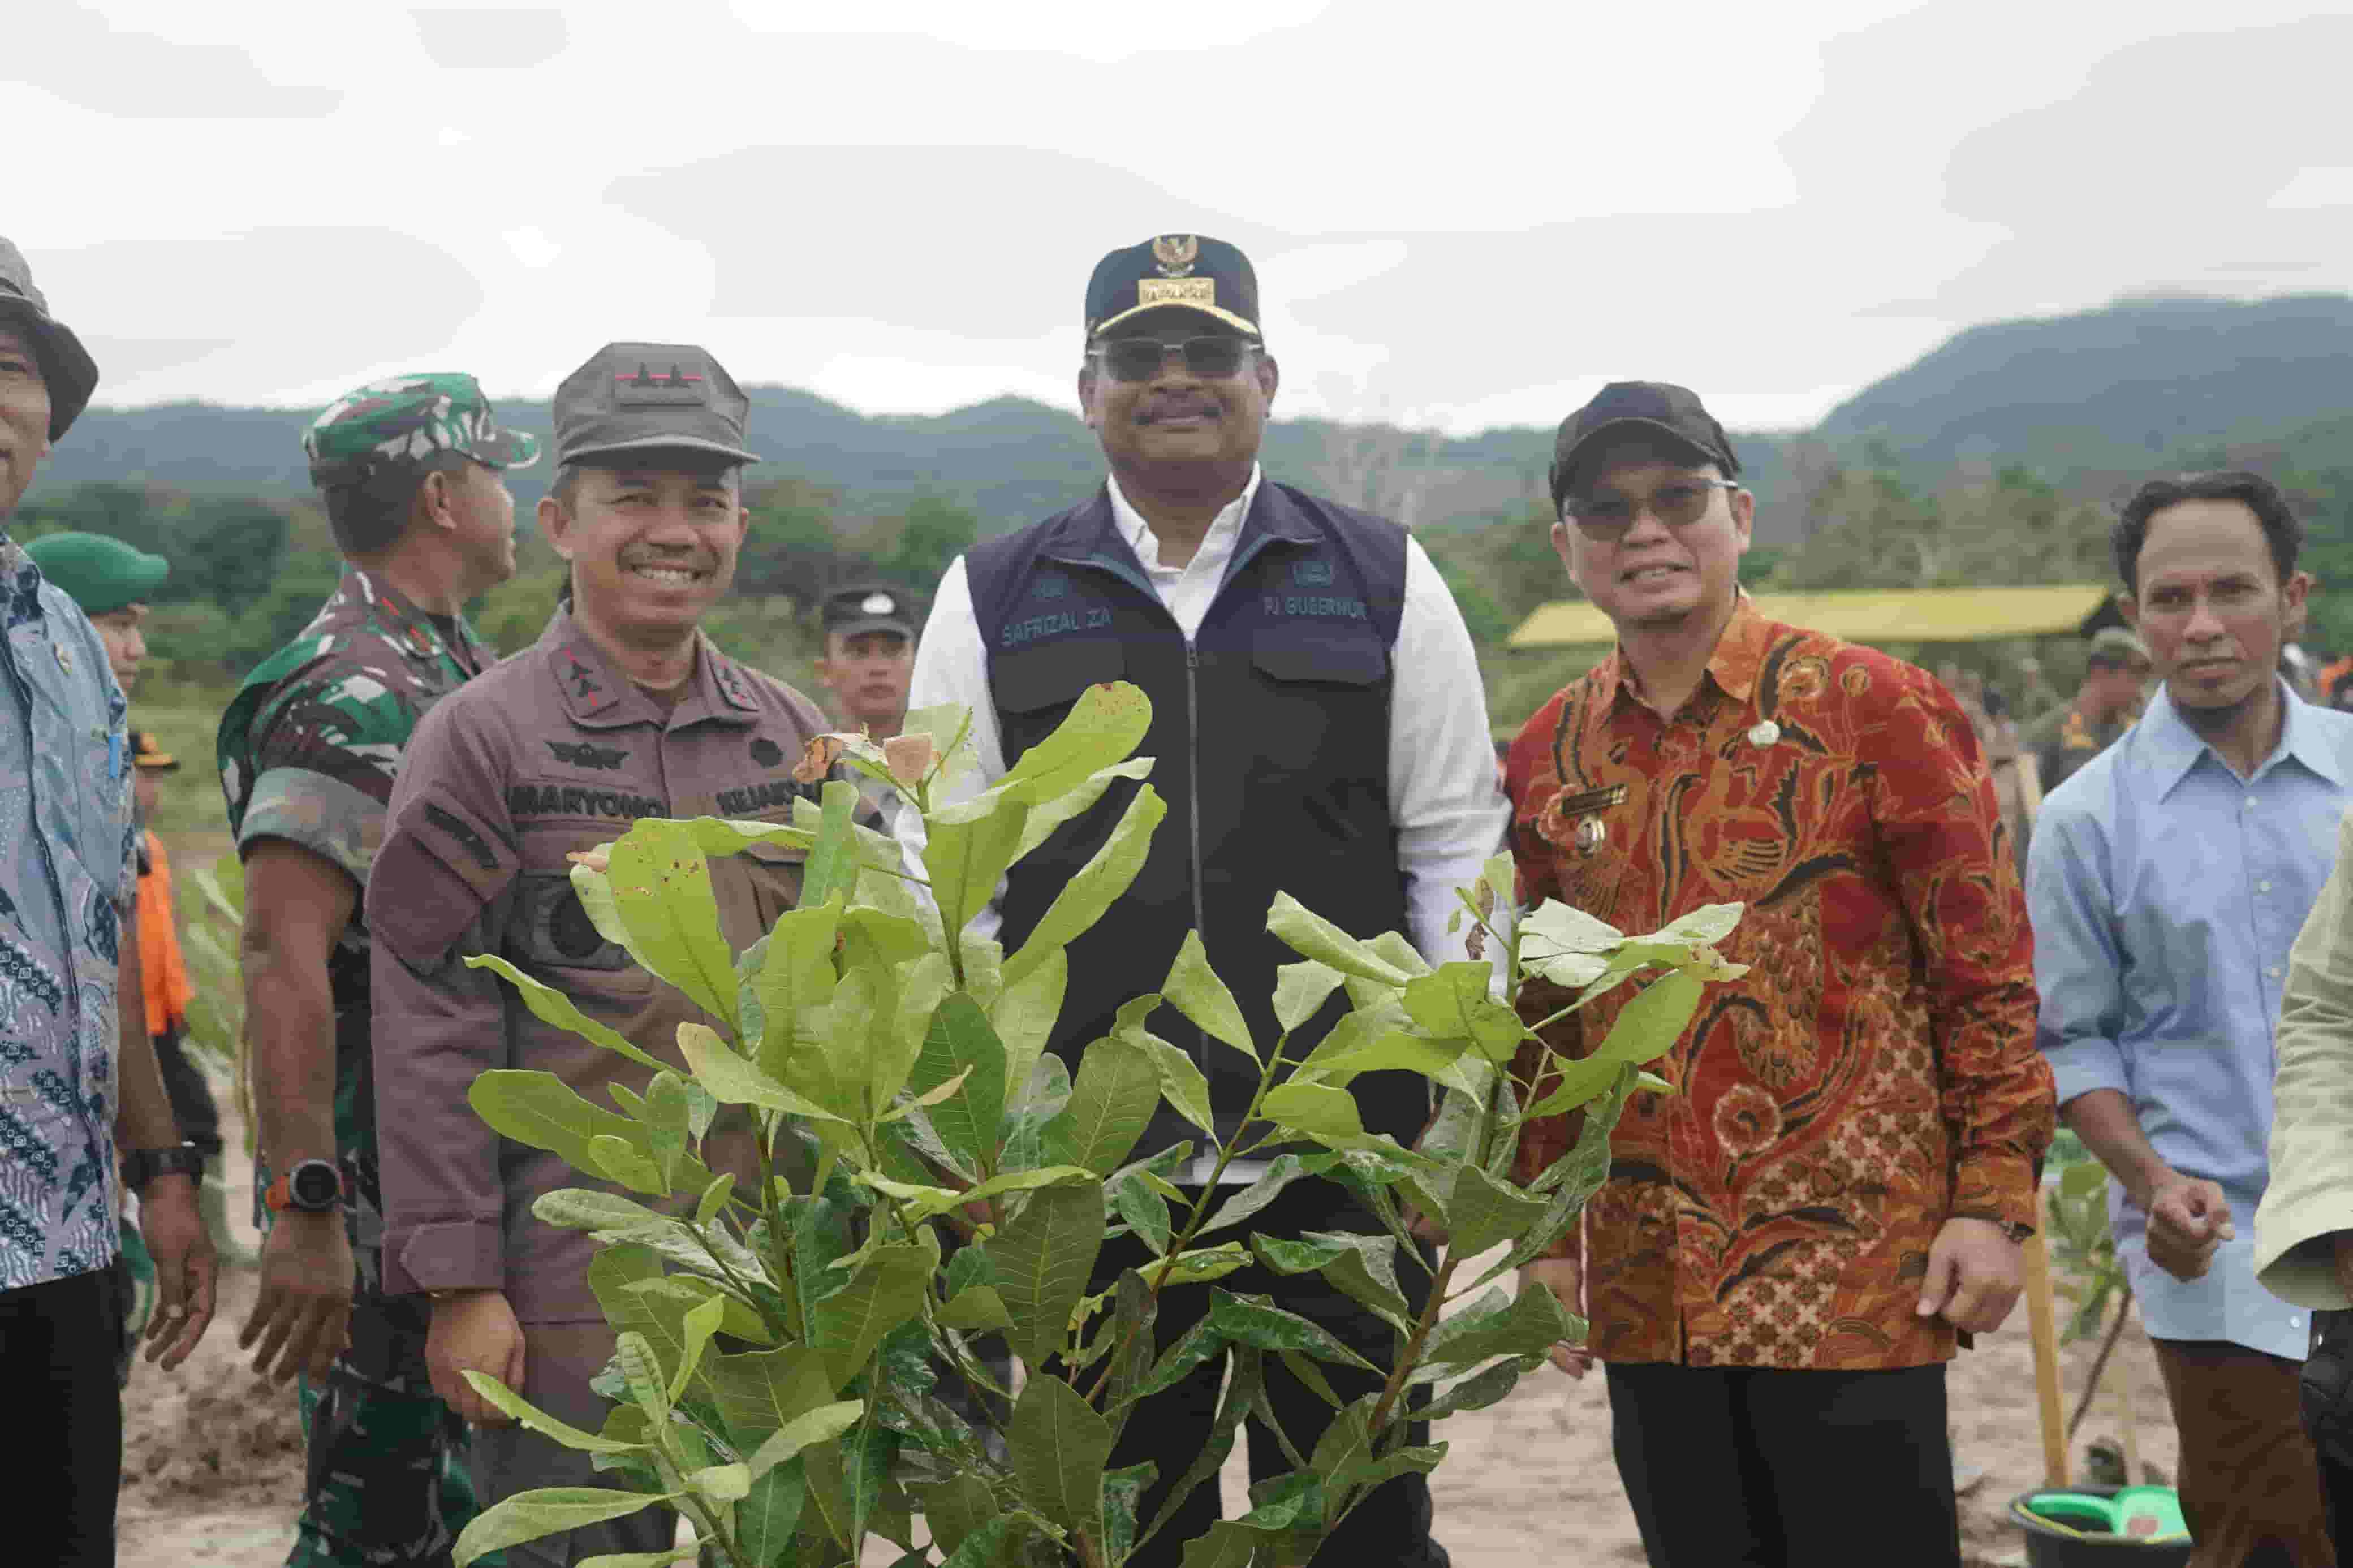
column 1140, row 359
column 1678, row 503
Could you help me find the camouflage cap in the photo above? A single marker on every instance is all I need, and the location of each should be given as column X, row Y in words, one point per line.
column 65, row 366
column 2118, row 645
column 405, row 420
column 633, row 397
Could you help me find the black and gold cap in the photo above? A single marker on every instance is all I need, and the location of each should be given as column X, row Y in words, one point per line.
column 1174, row 271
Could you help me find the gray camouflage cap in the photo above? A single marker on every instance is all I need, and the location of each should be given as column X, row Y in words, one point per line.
column 65, row 366
column 633, row 397
column 405, row 420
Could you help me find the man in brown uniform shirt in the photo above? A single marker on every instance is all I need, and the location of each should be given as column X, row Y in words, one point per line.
column 622, row 709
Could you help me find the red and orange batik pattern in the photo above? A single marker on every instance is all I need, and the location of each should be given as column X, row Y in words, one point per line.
column 1873, row 1074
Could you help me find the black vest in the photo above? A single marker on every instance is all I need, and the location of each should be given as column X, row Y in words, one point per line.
column 1271, row 740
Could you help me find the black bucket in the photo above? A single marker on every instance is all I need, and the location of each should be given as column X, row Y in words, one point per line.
column 2048, row 1546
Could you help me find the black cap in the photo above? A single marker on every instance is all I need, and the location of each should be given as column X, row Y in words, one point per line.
column 647, row 396
column 65, row 366
column 1660, row 405
column 866, row 607
column 1174, row 271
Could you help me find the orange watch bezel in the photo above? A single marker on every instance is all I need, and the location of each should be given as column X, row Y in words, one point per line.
column 279, row 1196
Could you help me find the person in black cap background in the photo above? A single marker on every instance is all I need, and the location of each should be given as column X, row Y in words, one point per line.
column 870, row 653
column 79, row 1081
column 1790, row 1245
column 1319, row 728
column 623, row 709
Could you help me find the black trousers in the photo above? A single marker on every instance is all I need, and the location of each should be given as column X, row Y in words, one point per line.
column 57, row 1365
column 1392, row 1524
column 1762, row 1467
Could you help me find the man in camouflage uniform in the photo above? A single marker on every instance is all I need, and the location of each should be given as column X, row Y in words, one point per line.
column 2115, row 678
column 410, row 470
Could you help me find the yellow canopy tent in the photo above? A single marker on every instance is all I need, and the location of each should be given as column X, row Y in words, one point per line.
column 1870, row 617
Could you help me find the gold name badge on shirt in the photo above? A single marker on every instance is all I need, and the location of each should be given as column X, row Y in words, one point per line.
column 1586, row 806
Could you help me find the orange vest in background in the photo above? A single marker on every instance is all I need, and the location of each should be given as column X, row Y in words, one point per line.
column 161, row 966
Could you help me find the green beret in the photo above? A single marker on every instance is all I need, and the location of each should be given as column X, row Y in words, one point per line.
column 99, row 574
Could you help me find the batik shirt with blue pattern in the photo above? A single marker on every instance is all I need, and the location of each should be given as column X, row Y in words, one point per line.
column 67, row 873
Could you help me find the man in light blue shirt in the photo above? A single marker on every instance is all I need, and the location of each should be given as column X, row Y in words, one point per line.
column 2165, row 882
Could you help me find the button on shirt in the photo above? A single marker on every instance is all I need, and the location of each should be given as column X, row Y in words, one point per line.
column 66, row 870
column 2165, row 892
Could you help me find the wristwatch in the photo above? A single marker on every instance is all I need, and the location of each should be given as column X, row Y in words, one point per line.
column 142, row 1166
column 311, row 1186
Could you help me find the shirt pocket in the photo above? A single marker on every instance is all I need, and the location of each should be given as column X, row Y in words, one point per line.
column 1039, row 685
column 550, row 937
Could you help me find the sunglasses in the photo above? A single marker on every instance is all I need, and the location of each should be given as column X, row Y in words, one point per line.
column 1678, row 503
column 1140, row 359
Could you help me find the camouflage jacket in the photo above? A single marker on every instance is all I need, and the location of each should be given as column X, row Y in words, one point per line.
column 308, row 749
column 65, row 874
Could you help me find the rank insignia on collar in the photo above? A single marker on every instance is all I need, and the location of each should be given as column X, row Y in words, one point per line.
column 1176, row 253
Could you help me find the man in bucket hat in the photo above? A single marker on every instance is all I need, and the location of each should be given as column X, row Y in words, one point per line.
column 411, row 469
column 77, row 1074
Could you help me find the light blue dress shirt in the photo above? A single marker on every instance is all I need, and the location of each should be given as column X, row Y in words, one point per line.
column 2165, row 892
column 65, row 873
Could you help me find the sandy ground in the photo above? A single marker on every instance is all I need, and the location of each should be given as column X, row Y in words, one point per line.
column 213, row 1460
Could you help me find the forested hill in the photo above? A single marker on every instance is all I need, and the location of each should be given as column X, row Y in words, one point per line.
column 2106, row 392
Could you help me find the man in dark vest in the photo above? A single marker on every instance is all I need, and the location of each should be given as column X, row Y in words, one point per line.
column 1318, row 728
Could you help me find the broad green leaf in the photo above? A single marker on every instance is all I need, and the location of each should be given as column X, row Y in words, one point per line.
column 1413, row 1052
column 1048, row 816
column 550, row 1006
column 586, row 1208
column 1255, row 1321
column 1059, row 1445
column 1482, row 1212
column 1041, row 1258
column 1146, row 1212
column 667, row 1558
column 1094, row 887
column 960, row 1044
column 822, row 1425
column 1315, row 1109
column 1310, row 935
column 1648, row 1026
column 796, row 978
column 1301, row 990
column 1287, row 1503
column 620, row 1160
column 1392, row 948
column 922, row 1203
column 1030, row 1112
column 1202, row 1263
column 1024, row 1013
column 540, row 1110
column 595, row 889
column 986, row 1546
column 669, row 1116
column 1181, row 1079
column 967, row 847
column 527, row 1516
column 662, row 884
column 1194, row 989
column 1112, row 1102
column 540, row 1421
column 1479, row 1390
column 885, row 1292
column 878, row 936
column 1528, row 1324
column 920, row 987
column 1123, row 1492
column 1104, row 726
column 1704, row 927
column 641, row 1375
column 735, row 1317
column 832, row 866
column 949, row 724
column 1280, row 1172
column 733, row 1080
column 758, row 1392
column 714, row 1201
column 1453, row 1004
column 769, row 1516
column 974, row 1309
column 720, row 1483
column 1229, row 1543
column 1582, row 1079
column 703, row 1320
column 955, row 1508
column 1363, row 1266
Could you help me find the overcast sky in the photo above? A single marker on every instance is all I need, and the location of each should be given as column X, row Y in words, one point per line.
column 1463, row 214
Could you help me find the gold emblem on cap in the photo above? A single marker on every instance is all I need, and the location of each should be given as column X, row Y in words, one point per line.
column 1175, row 254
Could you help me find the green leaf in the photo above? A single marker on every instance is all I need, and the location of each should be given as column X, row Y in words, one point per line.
column 1095, row 886
column 1301, row 990
column 1310, row 935
column 712, row 1203
column 919, row 988
column 960, row 1043
column 661, row 886
column 540, row 1110
column 883, row 1293
column 1112, row 1102
column 794, row 980
column 1060, row 1447
column 1123, row 1492
column 1104, row 726
column 1024, row 1013
column 666, row 1558
column 1582, row 1079
column 922, row 1202
column 1479, row 1390
column 974, row 1309
column 733, row 1080
column 1363, row 1265
column 550, row 1006
column 1315, row 1109
column 1255, row 1321
column 986, row 1546
column 955, row 1508
column 586, row 1208
column 1047, row 815
column 1202, row 1264
column 620, row 1160
column 1042, row 1259
column 1284, row 1170
column 1194, row 989
column 720, row 1483
column 1528, row 1324
column 833, row 859
column 1482, row 1212
column 757, row 1393
column 967, row 848
column 1229, row 1543
column 540, row 1421
column 1397, row 1048
column 1648, row 1026
column 641, row 1373
column 1453, row 1004
column 769, row 1516
column 822, row 1425
column 703, row 1320
column 1181, row 1079
column 1145, row 1211
column 878, row 936
column 527, row 1516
